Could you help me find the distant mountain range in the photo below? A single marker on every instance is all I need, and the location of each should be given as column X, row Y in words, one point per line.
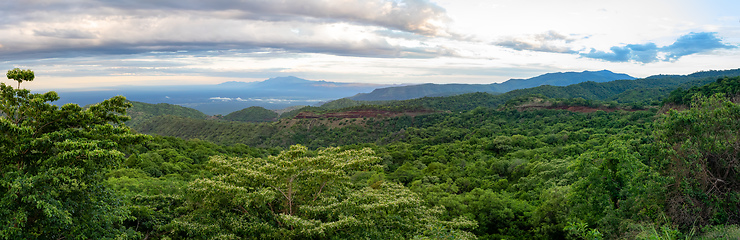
column 636, row 94
column 167, row 119
column 224, row 98
column 291, row 83
column 283, row 92
column 438, row 90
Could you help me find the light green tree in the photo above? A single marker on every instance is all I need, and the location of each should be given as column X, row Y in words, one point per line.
column 299, row 194
column 52, row 163
column 20, row 75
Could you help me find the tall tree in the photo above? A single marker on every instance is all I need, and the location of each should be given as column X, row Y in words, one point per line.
column 52, row 163
column 20, row 75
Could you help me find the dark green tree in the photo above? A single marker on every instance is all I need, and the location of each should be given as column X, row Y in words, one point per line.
column 52, row 164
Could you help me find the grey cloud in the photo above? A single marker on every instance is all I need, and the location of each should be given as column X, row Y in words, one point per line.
column 688, row 44
column 545, row 42
column 400, row 34
column 376, row 48
column 100, row 65
column 91, row 27
column 417, row 16
column 65, row 33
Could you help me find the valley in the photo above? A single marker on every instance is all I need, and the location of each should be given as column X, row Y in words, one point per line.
column 587, row 160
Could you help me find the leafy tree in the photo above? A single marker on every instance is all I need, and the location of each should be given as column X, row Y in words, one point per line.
column 52, row 164
column 703, row 156
column 616, row 186
column 20, row 75
column 580, row 230
column 302, row 195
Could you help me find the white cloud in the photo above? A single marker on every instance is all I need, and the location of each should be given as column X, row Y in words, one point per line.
column 341, row 27
column 390, row 41
column 222, row 99
column 170, row 34
column 267, row 100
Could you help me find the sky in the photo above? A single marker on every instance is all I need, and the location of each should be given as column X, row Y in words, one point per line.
column 104, row 43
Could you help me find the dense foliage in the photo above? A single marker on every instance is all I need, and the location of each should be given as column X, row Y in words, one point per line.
column 346, row 102
column 301, row 195
column 252, row 114
column 52, row 164
column 535, row 174
column 142, row 112
column 524, row 168
column 703, row 147
column 726, row 85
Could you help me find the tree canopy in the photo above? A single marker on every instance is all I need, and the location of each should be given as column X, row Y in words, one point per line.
column 52, row 164
column 20, row 75
column 536, row 168
column 303, row 195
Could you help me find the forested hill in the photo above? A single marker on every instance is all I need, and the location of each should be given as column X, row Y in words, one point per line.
column 634, row 94
column 519, row 174
column 630, row 94
column 727, row 85
column 637, row 92
column 562, row 79
column 252, row 114
column 141, row 112
column 437, row 90
column 521, row 171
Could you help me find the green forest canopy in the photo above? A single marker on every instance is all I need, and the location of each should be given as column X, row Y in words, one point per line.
column 483, row 172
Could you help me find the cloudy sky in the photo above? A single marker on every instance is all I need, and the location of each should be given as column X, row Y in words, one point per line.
column 98, row 43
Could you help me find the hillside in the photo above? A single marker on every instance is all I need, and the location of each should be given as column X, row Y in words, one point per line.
column 422, row 90
column 562, row 79
column 252, row 114
column 141, row 112
column 730, row 86
column 620, row 91
column 347, row 102
column 636, row 93
column 437, row 90
column 586, row 97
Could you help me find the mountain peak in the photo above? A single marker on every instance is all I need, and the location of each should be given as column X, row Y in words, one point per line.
column 563, row 79
column 288, row 79
column 553, row 79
